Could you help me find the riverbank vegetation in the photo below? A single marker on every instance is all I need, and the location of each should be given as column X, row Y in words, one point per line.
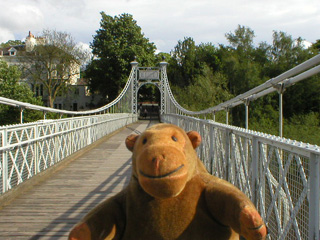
column 205, row 75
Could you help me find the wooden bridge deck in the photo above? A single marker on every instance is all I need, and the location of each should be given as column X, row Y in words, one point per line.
column 51, row 208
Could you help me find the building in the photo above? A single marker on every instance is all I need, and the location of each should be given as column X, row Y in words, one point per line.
column 77, row 96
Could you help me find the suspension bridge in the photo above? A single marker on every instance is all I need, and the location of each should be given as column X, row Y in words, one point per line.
column 54, row 171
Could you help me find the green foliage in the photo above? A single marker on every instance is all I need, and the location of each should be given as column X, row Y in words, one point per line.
column 208, row 54
column 264, row 115
column 302, row 98
column 162, row 57
column 241, row 40
column 185, row 66
column 118, row 41
column 11, row 88
column 204, row 76
column 149, row 93
column 11, row 43
column 304, row 128
column 208, row 89
column 239, row 61
column 286, row 53
column 316, row 45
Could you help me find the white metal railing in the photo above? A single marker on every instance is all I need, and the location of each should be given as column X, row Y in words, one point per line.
column 280, row 176
column 28, row 149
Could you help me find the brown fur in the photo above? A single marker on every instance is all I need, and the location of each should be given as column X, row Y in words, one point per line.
column 171, row 196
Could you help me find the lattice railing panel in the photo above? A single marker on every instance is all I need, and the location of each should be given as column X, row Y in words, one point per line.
column 284, row 189
column 241, row 163
column 204, row 149
column 63, row 146
column 20, row 135
column 46, row 153
column 274, row 172
column 28, row 149
column 219, row 164
column 46, row 129
column 20, row 165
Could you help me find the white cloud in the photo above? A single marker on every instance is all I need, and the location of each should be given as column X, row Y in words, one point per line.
column 5, row 35
column 18, row 20
column 21, row 16
column 165, row 22
column 306, row 44
column 84, row 46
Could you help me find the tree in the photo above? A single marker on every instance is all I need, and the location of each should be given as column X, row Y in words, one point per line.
column 54, row 63
column 11, row 88
column 184, row 66
column 209, row 89
column 286, row 53
column 215, row 74
column 118, row 41
column 162, row 56
column 316, row 45
column 239, row 64
column 11, row 43
column 209, row 54
column 241, row 40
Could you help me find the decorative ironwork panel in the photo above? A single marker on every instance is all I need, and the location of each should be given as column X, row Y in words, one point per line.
column 149, row 75
column 274, row 172
column 283, row 198
column 241, row 163
column 28, row 149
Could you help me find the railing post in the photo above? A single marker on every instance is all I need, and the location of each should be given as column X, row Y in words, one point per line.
column 314, row 196
column 211, row 153
column 246, row 104
column 227, row 116
column 89, row 132
column 134, row 87
column 36, row 150
column 281, row 114
column 280, row 88
column 4, row 162
column 21, row 114
column 163, row 86
column 58, row 128
column 228, row 160
column 255, row 169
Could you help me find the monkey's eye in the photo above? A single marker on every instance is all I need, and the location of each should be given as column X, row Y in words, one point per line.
column 144, row 141
column 174, row 139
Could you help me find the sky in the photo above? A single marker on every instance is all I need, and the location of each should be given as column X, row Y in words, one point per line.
column 163, row 22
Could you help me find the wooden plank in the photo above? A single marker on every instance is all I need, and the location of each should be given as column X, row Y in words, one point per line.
column 50, row 209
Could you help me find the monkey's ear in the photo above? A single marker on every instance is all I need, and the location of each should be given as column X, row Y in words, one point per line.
column 131, row 140
column 195, row 138
column 79, row 232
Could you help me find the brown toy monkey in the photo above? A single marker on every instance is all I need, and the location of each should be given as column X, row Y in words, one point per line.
column 171, row 196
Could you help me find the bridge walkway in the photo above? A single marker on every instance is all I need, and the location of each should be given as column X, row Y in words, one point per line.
column 51, row 208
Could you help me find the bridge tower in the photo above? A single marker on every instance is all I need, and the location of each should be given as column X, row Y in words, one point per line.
column 149, row 75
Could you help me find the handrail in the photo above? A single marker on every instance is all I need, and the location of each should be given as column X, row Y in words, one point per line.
column 25, row 105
